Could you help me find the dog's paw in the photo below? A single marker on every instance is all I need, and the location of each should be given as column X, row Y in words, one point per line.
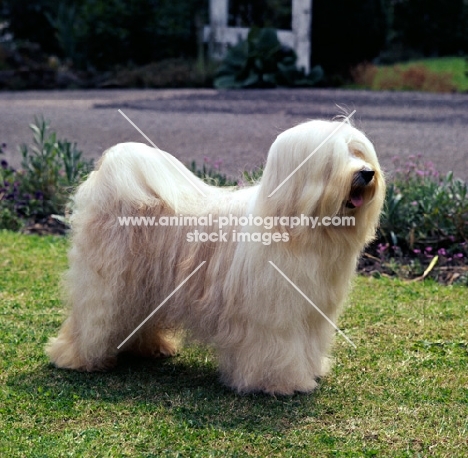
column 63, row 354
column 162, row 351
column 166, row 350
column 289, row 389
column 157, row 347
column 272, row 387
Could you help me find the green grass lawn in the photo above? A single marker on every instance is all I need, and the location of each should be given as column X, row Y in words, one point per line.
column 403, row 392
column 455, row 65
column 441, row 74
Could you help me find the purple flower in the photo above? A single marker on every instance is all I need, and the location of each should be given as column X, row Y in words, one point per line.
column 382, row 247
column 206, row 160
column 4, row 164
column 442, row 252
column 428, row 249
column 458, row 255
column 416, row 251
column 414, row 203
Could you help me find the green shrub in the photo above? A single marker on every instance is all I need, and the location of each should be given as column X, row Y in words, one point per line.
column 262, row 61
column 423, row 209
column 51, row 168
column 211, row 174
column 15, row 204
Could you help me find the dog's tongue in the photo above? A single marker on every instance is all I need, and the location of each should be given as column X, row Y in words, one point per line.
column 357, row 200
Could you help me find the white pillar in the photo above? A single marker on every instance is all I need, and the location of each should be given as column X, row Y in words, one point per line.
column 219, row 35
column 219, row 10
column 302, row 27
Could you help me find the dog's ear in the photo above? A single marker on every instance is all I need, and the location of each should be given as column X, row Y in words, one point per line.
column 303, row 175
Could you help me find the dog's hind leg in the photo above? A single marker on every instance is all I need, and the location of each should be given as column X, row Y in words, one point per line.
column 87, row 342
column 69, row 350
column 101, row 320
column 89, row 338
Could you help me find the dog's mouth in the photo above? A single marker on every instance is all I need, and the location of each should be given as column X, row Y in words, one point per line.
column 360, row 181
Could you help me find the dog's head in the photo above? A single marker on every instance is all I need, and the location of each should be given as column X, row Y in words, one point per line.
column 324, row 169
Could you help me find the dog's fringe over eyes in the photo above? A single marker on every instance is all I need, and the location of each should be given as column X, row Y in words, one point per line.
column 267, row 336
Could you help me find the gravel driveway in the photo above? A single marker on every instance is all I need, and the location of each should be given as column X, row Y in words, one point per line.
column 239, row 126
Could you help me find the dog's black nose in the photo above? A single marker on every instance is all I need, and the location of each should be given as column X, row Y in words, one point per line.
column 367, row 175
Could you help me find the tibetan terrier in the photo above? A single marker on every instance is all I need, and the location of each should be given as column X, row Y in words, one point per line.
column 157, row 250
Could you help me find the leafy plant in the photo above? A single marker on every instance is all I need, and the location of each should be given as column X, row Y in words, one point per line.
column 424, row 209
column 65, row 24
column 8, row 217
column 211, row 174
column 51, row 167
column 14, row 203
column 262, row 61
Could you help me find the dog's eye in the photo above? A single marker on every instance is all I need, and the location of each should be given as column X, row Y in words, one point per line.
column 358, row 154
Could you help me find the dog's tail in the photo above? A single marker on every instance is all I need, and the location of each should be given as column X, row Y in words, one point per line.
column 135, row 175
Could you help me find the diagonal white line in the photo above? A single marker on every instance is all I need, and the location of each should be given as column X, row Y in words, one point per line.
column 160, row 305
column 311, row 303
column 312, row 153
column 174, row 164
column 137, row 128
